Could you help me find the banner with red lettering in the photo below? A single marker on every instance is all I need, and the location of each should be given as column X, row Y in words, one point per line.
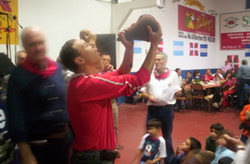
column 193, row 24
column 234, row 30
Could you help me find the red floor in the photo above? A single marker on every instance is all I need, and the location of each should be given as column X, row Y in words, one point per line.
column 186, row 123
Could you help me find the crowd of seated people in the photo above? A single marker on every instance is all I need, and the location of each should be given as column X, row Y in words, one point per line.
column 220, row 88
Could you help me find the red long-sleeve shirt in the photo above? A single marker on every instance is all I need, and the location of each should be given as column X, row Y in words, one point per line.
column 206, row 77
column 90, row 110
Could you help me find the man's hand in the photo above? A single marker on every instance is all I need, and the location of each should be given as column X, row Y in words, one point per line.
column 232, row 143
column 152, row 99
column 178, row 94
column 155, row 37
column 26, row 154
column 109, row 68
column 178, row 150
column 29, row 159
column 88, row 36
column 125, row 42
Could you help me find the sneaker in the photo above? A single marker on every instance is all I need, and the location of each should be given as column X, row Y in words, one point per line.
column 209, row 97
column 215, row 105
column 118, row 155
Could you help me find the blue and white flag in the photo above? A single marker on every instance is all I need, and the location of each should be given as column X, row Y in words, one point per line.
column 137, row 47
column 247, row 50
column 203, row 50
column 178, row 48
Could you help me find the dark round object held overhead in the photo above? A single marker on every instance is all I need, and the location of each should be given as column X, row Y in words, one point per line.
column 139, row 30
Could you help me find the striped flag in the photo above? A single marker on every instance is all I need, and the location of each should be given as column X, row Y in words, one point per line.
column 160, row 46
column 193, row 49
column 178, row 48
column 203, row 50
column 137, row 47
column 247, row 50
column 5, row 5
column 234, row 60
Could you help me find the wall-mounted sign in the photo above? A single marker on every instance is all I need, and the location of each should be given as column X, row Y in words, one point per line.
column 195, row 25
column 234, row 30
column 196, row 3
column 8, row 25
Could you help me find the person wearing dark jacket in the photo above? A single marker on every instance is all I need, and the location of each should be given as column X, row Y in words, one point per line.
column 36, row 103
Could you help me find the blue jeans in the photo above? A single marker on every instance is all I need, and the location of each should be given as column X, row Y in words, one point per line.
column 166, row 115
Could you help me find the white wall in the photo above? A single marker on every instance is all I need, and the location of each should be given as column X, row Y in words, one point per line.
column 168, row 18
column 63, row 19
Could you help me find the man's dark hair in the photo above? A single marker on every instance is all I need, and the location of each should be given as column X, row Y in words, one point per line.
column 244, row 62
column 68, row 54
column 154, row 123
column 195, row 144
column 177, row 69
column 195, row 72
column 105, row 54
column 217, row 126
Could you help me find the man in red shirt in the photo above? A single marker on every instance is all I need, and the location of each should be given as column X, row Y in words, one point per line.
column 90, row 94
column 207, row 76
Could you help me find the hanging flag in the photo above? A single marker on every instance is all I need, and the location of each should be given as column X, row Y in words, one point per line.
column 203, row 50
column 5, row 5
column 160, row 46
column 137, row 47
column 247, row 50
column 8, row 21
column 194, row 49
column 234, row 60
column 178, row 48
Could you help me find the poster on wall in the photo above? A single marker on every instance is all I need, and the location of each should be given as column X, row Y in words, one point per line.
column 234, row 30
column 195, row 25
column 8, row 22
column 233, row 60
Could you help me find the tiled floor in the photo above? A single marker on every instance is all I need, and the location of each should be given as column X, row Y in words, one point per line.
column 187, row 123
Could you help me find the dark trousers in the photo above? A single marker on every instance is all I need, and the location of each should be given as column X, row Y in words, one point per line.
column 218, row 94
column 166, row 115
column 242, row 95
column 89, row 157
column 54, row 151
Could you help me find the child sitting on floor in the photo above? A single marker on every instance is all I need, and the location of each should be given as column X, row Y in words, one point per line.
column 222, row 151
column 188, row 148
column 245, row 122
column 214, row 132
column 152, row 146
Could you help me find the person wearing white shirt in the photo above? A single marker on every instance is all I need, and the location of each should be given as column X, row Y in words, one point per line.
column 161, row 93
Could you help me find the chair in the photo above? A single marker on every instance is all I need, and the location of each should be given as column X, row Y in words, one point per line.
column 185, row 97
column 198, row 93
